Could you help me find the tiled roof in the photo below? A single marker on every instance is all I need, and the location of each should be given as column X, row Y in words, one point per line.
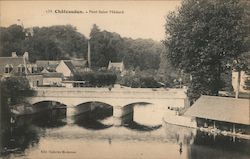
column 81, row 63
column 47, row 63
column 222, row 109
column 13, row 61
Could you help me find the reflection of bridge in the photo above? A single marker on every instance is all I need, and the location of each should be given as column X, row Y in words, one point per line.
column 119, row 98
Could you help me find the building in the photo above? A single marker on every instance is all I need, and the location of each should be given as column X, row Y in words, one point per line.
column 117, row 66
column 223, row 113
column 48, row 65
column 35, row 80
column 17, row 65
column 14, row 65
column 66, row 68
column 81, row 65
column 52, row 79
column 244, row 76
column 20, row 66
column 71, row 84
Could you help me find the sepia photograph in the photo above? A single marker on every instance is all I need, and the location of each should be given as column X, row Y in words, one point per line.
column 126, row 79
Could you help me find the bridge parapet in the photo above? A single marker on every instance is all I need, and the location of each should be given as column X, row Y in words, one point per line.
column 114, row 93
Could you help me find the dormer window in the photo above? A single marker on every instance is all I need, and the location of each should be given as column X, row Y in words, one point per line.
column 8, row 68
column 33, row 69
column 21, row 69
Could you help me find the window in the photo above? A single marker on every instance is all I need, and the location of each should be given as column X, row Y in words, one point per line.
column 8, row 68
column 33, row 69
column 21, row 69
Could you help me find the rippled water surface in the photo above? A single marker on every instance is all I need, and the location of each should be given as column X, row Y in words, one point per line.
column 47, row 136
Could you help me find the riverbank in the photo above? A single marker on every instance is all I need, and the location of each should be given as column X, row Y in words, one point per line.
column 22, row 109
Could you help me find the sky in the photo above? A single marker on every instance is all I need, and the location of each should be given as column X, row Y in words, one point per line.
column 136, row 19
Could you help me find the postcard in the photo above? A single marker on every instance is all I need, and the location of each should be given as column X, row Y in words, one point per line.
column 124, row 80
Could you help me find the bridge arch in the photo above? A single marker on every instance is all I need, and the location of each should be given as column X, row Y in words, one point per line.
column 43, row 105
column 136, row 103
column 44, row 101
column 96, row 108
column 95, row 101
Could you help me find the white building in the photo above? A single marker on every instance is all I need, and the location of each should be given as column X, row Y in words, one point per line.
column 66, row 68
column 52, row 79
column 117, row 66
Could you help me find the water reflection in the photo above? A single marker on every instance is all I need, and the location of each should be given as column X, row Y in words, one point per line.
column 92, row 119
column 53, row 118
column 223, row 143
column 25, row 131
column 87, row 121
column 139, row 127
column 20, row 136
column 49, row 131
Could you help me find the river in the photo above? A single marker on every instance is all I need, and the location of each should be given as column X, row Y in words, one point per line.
column 49, row 135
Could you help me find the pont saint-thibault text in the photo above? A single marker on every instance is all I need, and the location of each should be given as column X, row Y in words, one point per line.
column 65, row 11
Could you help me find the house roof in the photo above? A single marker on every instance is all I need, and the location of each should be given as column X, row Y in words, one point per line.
column 15, row 61
column 222, row 109
column 70, row 66
column 80, row 63
column 12, row 61
column 47, row 63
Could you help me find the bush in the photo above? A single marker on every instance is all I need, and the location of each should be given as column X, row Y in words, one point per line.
column 98, row 79
column 12, row 89
column 137, row 81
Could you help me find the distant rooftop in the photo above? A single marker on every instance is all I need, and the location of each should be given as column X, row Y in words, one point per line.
column 47, row 63
column 70, row 66
column 222, row 109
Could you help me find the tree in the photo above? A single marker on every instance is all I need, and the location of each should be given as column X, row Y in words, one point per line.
column 11, row 39
column 105, row 47
column 47, row 43
column 202, row 38
column 100, row 78
column 13, row 88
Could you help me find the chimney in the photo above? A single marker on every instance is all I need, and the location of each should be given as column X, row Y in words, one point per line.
column 13, row 54
column 26, row 56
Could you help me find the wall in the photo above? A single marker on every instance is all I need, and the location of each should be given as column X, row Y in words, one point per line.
column 34, row 80
column 63, row 68
column 52, row 81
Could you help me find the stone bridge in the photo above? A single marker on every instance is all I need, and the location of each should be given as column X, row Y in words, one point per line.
column 120, row 98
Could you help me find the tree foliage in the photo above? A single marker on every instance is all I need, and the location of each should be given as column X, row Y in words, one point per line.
column 46, row 43
column 107, row 46
column 12, row 89
column 99, row 79
column 11, row 39
column 140, row 79
column 65, row 42
column 203, row 37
